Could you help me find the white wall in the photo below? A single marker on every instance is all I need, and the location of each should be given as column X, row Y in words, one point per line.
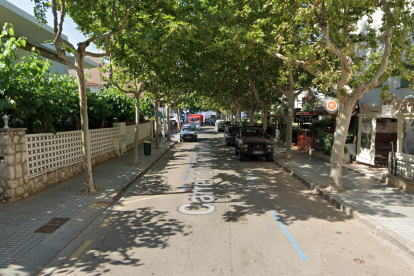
column 56, row 66
column 372, row 97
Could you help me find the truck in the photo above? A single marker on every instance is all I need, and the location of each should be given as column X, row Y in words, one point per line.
column 194, row 118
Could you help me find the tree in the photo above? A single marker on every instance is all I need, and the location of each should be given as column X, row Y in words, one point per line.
column 130, row 80
column 345, row 61
column 99, row 21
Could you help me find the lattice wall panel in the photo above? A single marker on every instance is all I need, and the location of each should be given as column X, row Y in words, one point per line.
column 102, row 140
column 47, row 152
column 144, row 131
column 130, row 134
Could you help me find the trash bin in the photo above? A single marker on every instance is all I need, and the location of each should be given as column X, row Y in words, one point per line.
column 147, row 147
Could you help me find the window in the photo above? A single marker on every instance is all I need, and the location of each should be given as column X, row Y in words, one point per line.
column 408, row 136
column 366, row 133
column 252, row 133
column 405, row 83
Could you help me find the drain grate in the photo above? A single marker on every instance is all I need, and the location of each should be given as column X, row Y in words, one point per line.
column 52, row 226
column 58, row 221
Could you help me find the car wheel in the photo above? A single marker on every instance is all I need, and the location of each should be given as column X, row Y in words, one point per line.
column 269, row 158
column 241, row 156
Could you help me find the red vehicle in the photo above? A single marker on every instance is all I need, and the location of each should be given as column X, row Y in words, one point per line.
column 195, row 118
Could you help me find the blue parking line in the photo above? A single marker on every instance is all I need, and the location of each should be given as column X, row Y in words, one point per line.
column 236, row 158
column 192, row 157
column 191, row 162
column 193, row 152
column 295, row 245
column 186, row 177
column 188, row 170
column 250, row 179
column 183, row 188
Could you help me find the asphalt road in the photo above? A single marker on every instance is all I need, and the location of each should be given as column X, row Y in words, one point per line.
column 257, row 220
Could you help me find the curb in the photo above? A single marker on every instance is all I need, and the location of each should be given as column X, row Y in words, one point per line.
column 396, row 240
column 117, row 194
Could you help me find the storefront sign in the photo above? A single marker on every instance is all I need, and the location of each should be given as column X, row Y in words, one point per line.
column 306, row 118
column 331, row 106
column 387, row 110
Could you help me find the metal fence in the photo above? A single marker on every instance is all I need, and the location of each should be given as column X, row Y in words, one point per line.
column 404, row 168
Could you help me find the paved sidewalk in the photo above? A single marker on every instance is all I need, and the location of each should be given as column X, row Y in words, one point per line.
column 24, row 251
column 385, row 210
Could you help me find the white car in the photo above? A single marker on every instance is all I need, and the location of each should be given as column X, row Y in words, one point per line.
column 217, row 124
column 198, row 126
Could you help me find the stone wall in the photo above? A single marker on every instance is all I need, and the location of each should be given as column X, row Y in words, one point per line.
column 404, row 184
column 13, row 166
column 14, row 180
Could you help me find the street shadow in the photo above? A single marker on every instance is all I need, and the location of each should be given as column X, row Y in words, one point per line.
column 365, row 195
column 126, row 233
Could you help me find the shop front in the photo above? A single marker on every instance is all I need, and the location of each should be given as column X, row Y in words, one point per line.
column 386, row 135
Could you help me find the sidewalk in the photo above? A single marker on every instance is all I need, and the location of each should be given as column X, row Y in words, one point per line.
column 387, row 211
column 25, row 252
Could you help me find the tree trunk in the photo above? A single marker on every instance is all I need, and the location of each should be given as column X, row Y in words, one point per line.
column 85, row 126
column 77, row 121
column 264, row 116
column 239, row 115
column 167, row 124
column 157, row 139
column 136, row 138
column 44, row 126
column 291, row 110
column 251, row 115
column 179, row 118
column 341, row 131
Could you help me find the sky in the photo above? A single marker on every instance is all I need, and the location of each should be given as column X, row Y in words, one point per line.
column 69, row 27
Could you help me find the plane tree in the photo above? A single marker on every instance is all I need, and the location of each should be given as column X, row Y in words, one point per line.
column 98, row 21
column 341, row 47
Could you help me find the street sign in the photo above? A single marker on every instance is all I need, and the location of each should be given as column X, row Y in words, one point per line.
column 331, row 106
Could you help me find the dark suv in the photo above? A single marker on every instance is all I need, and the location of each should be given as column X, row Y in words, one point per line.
column 230, row 135
column 253, row 141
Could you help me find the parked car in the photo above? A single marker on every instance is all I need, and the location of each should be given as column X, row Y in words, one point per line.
column 188, row 133
column 221, row 126
column 230, row 124
column 198, row 126
column 230, row 135
column 217, row 124
column 252, row 141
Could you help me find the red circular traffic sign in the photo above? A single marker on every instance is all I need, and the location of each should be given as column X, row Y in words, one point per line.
column 331, row 106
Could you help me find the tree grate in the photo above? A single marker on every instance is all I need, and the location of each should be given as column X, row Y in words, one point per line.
column 53, row 225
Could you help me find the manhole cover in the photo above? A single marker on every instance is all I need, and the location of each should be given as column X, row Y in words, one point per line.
column 57, row 221
column 47, row 229
column 52, row 226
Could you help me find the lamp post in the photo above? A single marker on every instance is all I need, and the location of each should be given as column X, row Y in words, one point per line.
column 6, row 121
